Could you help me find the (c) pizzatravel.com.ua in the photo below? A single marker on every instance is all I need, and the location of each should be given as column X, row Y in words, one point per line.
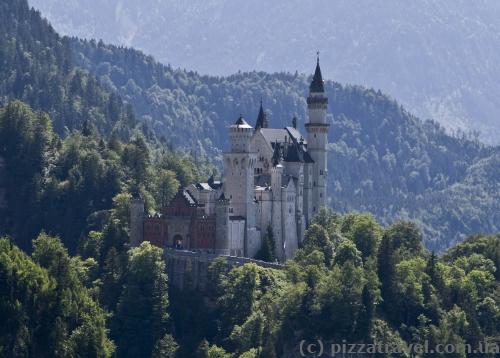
column 318, row 348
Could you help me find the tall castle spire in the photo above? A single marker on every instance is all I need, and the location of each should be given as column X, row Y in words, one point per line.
column 261, row 118
column 317, row 140
column 317, row 82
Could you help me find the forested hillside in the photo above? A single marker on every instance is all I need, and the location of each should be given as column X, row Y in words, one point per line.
column 65, row 186
column 36, row 66
column 381, row 158
column 351, row 282
column 63, row 167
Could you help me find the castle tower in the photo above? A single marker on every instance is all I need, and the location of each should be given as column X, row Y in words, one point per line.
column 136, row 221
column 317, row 138
column 239, row 165
column 222, row 244
column 277, row 214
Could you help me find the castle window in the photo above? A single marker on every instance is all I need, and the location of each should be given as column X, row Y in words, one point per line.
column 320, row 195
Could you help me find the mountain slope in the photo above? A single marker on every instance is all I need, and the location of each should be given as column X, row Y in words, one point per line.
column 37, row 67
column 382, row 159
column 439, row 58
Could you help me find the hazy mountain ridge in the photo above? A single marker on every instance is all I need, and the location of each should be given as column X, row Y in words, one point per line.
column 440, row 59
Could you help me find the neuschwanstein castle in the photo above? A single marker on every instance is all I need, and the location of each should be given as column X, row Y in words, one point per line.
column 272, row 178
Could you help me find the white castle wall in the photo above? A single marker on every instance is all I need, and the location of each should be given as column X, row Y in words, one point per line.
column 236, row 237
column 264, row 209
column 308, row 184
column 289, row 221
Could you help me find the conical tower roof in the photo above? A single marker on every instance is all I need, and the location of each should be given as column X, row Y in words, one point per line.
column 261, row 118
column 241, row 123
column 317, row 82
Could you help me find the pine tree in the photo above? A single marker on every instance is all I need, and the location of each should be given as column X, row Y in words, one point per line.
column 142, row 312
column 266, row 252
column 165, row 347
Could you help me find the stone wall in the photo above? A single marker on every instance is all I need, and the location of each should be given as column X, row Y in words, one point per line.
column 188, row 270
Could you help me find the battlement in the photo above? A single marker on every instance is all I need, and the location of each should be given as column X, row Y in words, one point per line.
column 311, row 100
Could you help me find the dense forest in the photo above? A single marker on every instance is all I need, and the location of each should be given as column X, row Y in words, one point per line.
column 351, row 280
column 78, row 289
column 67, row 204
column 75, row 154
column 381, row 159
column 37, row 68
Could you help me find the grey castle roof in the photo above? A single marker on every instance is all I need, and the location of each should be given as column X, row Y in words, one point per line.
column 210, row 185
column 203, row 186
column 295, row 134
column 273, row 135
column 263, row 180
column 294, row 154
column 292, row 146
column 189, row 198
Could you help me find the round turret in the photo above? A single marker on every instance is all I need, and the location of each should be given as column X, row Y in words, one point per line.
column 317, row 138
column 240, row 134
